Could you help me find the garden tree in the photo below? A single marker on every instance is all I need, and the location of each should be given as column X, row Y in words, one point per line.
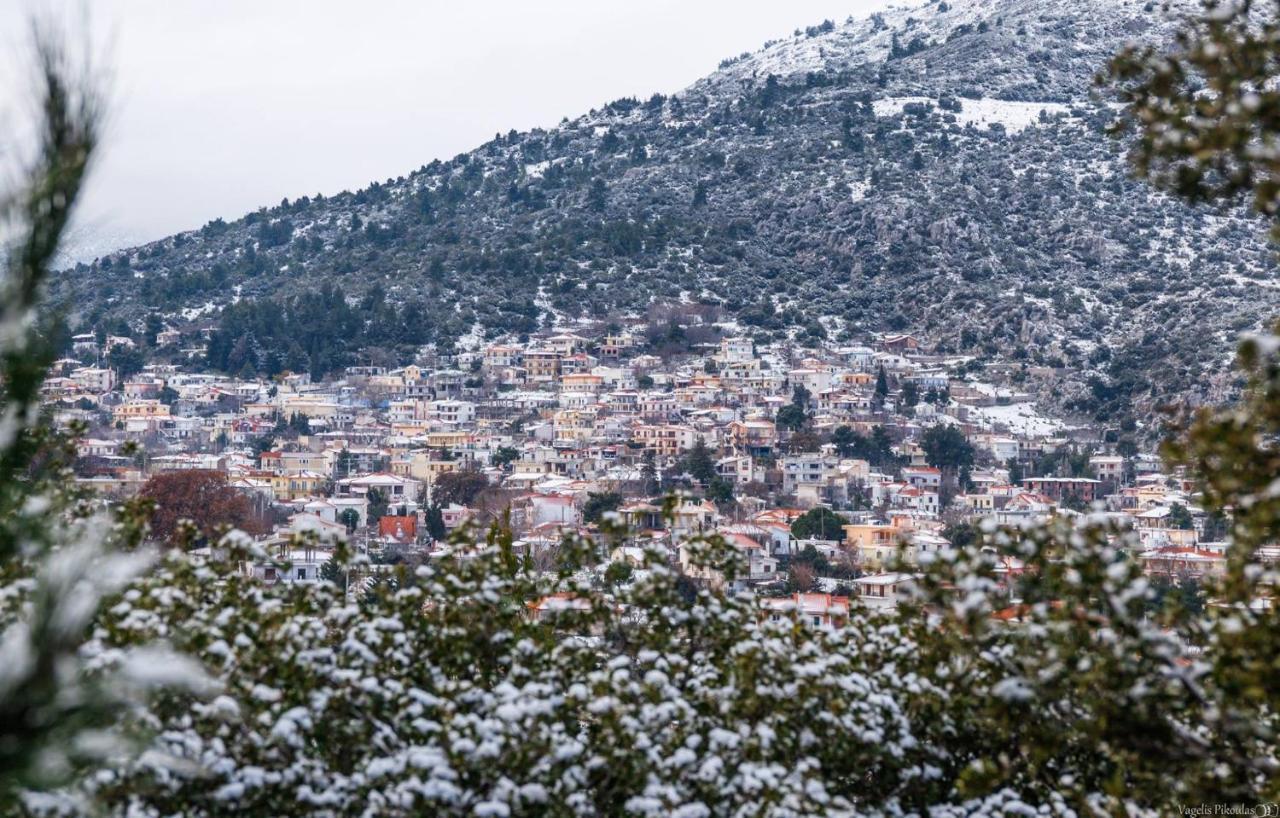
column 801, row 397
column 378, row 505
column 458, row 487
column 435, row 522
column 961, row 534
column 299, row 423
column 805, row 440
column 801, row 577
column 698, row 462
column 876, row 449
column 649, row 471
column 846, row 441
column 153, row 326
column 505, row 455
column 820, row 522
column 1179, row 517
column 720, row 490
column 882, row 385
column 344, row 464
column 125, row 360
column 262, row 444
column 945, row 447
column 791, row 417
column 819, row 566
column 349, row 518
column 598, row 503
column 1015, row 471
column 1064, row 461
column 1185, row 592
column 795, row 415
column 618, row 573
column 201, row 498
column 332, row 572
column 910, row 394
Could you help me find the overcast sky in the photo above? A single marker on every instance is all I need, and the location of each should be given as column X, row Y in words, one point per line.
column 220, row 107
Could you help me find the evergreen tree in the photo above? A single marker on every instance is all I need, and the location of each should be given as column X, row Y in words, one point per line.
column 649, row 471
column 435, row 522
column 1015, row 471
column 821, row 523
column 700, row 194
column 945, row 447
column 350, row 518
column 378, row 505
column 699, row 463
column 910, row 394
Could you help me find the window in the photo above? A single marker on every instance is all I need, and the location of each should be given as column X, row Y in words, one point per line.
column 817, row 620
column 302, row 573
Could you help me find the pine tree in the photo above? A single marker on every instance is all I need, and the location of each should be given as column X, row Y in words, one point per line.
column 435, row 522
column 700, row 194
column 699, row 463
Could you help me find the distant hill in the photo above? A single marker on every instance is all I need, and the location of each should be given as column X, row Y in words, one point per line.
column 941, row 169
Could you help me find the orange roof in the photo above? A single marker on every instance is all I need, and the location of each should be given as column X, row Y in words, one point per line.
column 397, row 527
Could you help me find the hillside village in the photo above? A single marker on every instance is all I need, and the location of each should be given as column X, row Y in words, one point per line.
column 832, row 469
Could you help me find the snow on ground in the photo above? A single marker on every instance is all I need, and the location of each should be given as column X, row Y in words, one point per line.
column 192, row 313
column 535, row 170
column 1017, row 417
column 1014, row 116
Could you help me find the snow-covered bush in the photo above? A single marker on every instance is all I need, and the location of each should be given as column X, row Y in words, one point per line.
column 59, row 557
column 442, row 694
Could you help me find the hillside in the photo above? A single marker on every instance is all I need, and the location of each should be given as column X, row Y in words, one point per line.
column 941, row 169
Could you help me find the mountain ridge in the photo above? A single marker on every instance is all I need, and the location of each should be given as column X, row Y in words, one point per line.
column 838, row 182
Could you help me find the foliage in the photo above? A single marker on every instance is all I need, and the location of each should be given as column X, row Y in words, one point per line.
column 505, row 455
column 349, row 518
column 439, row 693
column 60, row 558
column 792, row 417
column 820, row 522
column 876, row 449
column 599, row 503
column 961, row 535
column 379, row 504
column 201, row 498
column 1207, row 111
column 720, row 490
column 910, row 394
column 1179, row 517
column 460, row 487
column 698, row 462
column 945, row 447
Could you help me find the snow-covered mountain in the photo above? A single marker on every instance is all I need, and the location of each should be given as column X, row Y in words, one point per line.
column 940, row 167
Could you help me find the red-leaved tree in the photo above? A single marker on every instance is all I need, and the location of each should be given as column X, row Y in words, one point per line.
column 201, row 496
